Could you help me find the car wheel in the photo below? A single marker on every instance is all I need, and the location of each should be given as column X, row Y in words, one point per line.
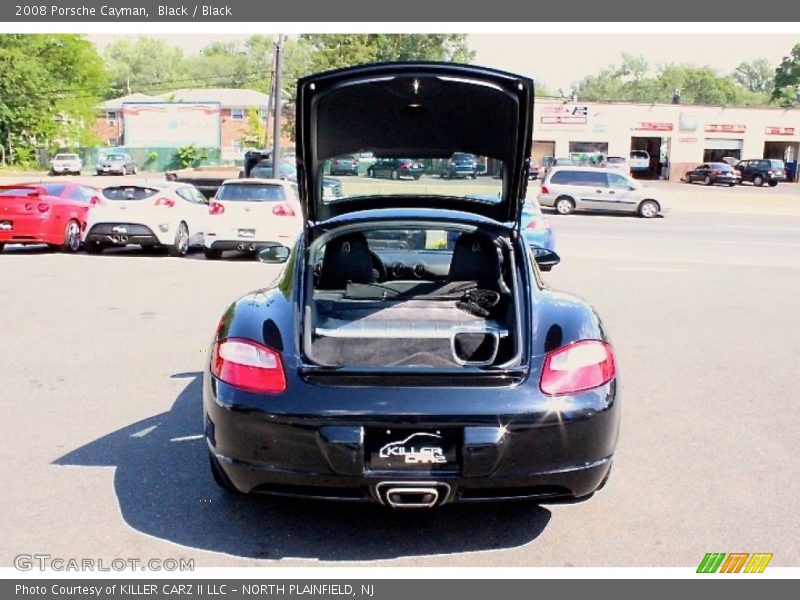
column 370, row 173
column 220, row 478
column 707, row 180
column 474, row 175
column 72, row 237
column 134, row 170
column 758, row 180
column 648, row 209
column 564, row 206
column 416, row 177
column 2, row 246
column 395, row 174
column 687, row 178
column 212, row 254
column 94, row 247
column 773, row 183
column 731, row 184
column 99, row 173
column 181, row 244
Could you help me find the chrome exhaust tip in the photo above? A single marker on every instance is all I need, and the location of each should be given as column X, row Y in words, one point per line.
column 252, row 248
column 412, row 494
column 123, row 239
column 240, row 247
column 115, row 239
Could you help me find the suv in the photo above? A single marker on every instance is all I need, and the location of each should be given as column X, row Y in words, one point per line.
column 590, row 188
column 460, row 165
column 639, row 160
column 762, row 170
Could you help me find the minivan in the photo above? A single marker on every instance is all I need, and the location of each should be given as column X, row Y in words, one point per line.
column 587, row 188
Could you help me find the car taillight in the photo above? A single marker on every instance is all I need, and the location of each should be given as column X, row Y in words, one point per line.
column 168, row 202
column 95, row 201
column 538, row 224
column 283, row 210
column 545, row 190
column 248, row 365
column 577, row 367
column 216, row 208
column 718, row 172
column 769, row 173
column 43, row 207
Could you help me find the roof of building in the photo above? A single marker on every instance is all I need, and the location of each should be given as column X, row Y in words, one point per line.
column 116, row 103
column 227, row 97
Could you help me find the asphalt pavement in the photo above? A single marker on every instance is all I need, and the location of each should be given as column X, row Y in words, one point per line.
column 102, row 456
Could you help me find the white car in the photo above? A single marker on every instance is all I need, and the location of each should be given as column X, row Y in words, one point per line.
column 162, row 214
column 618, row 163
column 587, row 188
column 639, row 160
column 249, row 214
column 69, row 164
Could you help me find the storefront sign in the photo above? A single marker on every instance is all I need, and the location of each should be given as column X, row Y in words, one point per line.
column 687, row 121
column 688, row 140
column 716, row 128
column 562, row 120
column 779, row 130
column 564, row 117
column 651, row 126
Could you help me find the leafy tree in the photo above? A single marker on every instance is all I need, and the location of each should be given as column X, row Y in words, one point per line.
column 50, row 85
column 757, row 76
column 256, row 130
column 148, row 65
column 787, row 79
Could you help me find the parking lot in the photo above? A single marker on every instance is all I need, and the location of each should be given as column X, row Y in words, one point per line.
column 101, row 358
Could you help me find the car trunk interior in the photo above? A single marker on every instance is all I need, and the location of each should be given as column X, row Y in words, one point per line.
column 464, row 316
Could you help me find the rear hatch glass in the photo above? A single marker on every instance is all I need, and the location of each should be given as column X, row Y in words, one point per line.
column 129, row 193
column 248, row 192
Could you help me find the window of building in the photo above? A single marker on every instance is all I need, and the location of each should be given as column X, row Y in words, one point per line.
column 238, row 145
column 112, row 115
column 263, row 113
column 237, row 114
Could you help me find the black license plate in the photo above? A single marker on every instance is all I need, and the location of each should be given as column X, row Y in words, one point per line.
column 6, row 225
column 394, row 449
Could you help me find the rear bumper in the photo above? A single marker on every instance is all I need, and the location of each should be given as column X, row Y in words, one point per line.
column 122, row 234
column 29, row 230
column 215, row 244
column 539, row 454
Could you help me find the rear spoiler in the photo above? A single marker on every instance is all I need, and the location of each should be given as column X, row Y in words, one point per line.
column 34, row 190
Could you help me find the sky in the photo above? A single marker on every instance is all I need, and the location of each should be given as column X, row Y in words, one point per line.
column 559, row 60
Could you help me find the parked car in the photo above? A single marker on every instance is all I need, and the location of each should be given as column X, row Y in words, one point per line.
column 412, row 377
column 589, row 188
column 460, row 164
column 331, row 187
column 116, row 164
column 714, row 173
column 248, row 214
column 534, row 171
column 170, row 215
column 536, row 227
column 66, row 164
column 45, row 213
column 344, row 165
column 396, row 168
column 762, row 170
column 639, row 161
column 618, row 163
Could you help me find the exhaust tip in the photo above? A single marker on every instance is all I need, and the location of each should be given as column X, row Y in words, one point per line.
column 412, row 494
column 115, row 239
column 240, row 247
column 123, row 238
column 252, row 248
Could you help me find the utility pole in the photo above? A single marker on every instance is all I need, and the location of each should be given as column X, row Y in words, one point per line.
column 276, row 123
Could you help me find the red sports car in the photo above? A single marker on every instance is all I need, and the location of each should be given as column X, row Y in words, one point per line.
column 45, row 213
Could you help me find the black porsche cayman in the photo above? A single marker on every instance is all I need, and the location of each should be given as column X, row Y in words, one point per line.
column 409, row 352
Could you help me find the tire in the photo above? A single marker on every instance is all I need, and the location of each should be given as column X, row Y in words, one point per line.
column 212, row 254
column 2, row 246
column 395, row 174
column 707, row 180
column 687, row 178
column 180, row 247
column 124, row 171
column 370, row 173
column 99, row 173
column 220, row 478
column 758, row 181
column 475, row 176
column 564, row 205
column 72, row 237
column 134, row 170
column 731, row 184
column 94, row 247
column 416, row 177
column 772, row 184
column 648, row 209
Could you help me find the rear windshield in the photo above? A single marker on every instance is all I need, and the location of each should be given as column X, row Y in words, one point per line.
column 66, row 156
column 129, row 193
column 615, row 160
column 776, row 164
column 250, row 192
column 115, row 157
column 722, row 166
column 461, row 156
column 640, row 154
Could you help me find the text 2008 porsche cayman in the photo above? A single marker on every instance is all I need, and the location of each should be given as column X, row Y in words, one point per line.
column 410, row 354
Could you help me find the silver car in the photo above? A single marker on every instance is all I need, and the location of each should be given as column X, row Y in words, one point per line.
column 588, row 188
column 116, row 164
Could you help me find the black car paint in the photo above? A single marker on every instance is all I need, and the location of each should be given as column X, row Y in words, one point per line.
column 712, row 174
column 283, row 443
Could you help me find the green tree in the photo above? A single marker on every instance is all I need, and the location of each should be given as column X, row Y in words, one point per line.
column 256, row 129
column 147, row 65
column 787, row 79
column 50, row 85
column 336, row 50
column 757, row 76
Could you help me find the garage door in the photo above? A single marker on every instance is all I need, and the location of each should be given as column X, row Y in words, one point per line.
column 723, row 144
